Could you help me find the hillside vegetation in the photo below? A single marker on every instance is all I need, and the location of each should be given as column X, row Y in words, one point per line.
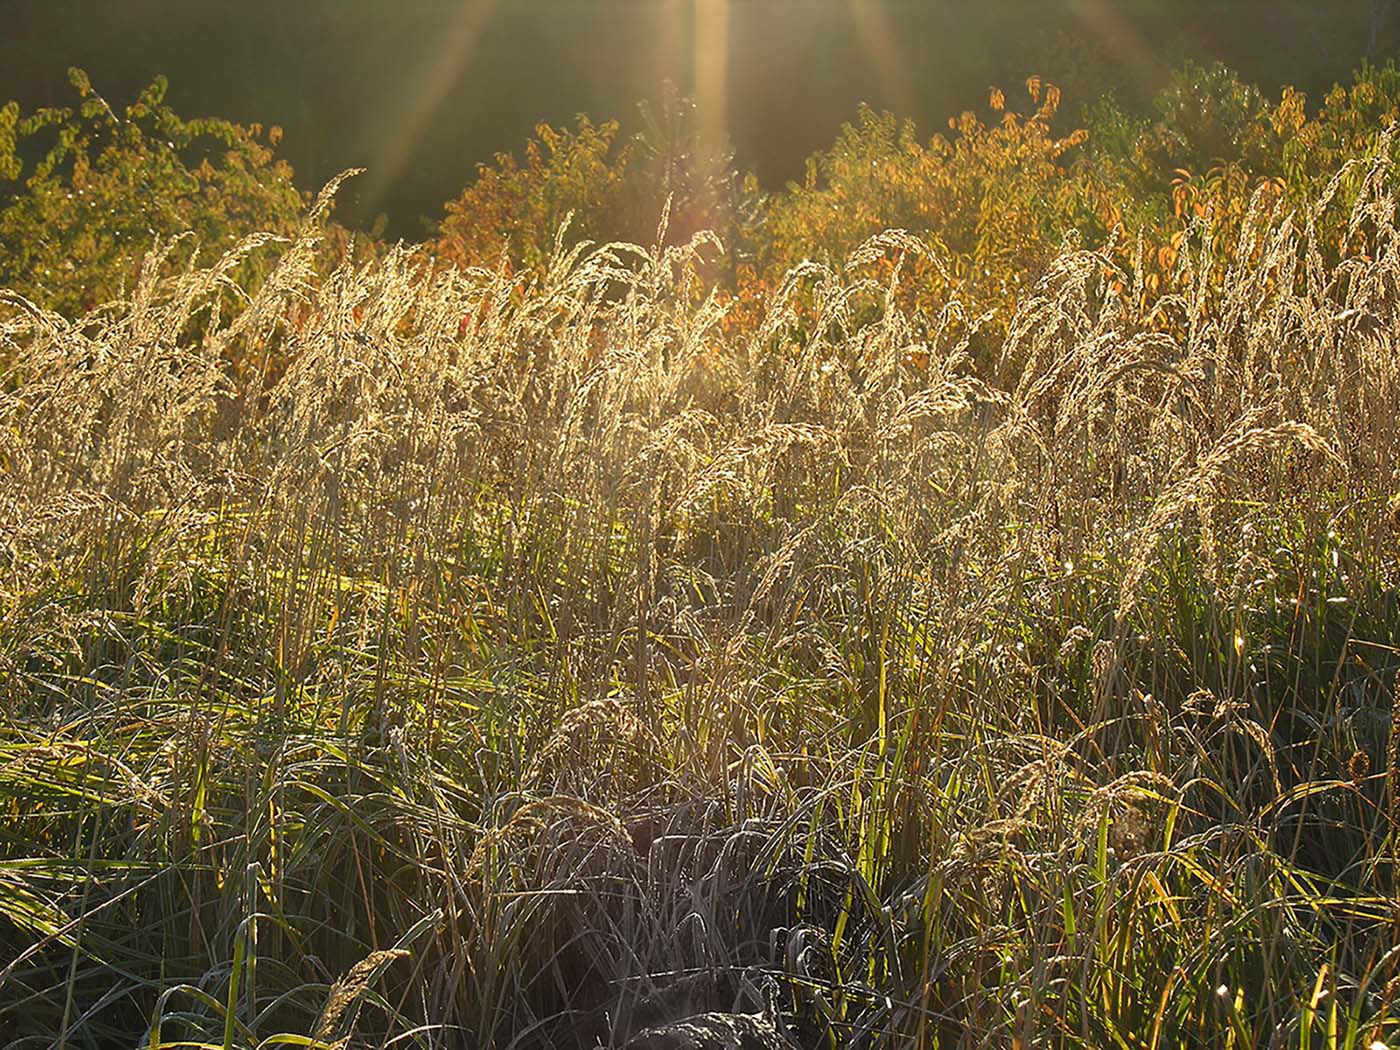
column 952, row 603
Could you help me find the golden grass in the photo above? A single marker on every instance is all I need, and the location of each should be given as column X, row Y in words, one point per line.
column 601, row 666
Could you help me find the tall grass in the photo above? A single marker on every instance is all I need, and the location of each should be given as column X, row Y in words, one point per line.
column 527, row 662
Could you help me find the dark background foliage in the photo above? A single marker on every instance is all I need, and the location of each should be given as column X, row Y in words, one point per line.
column 347, row 78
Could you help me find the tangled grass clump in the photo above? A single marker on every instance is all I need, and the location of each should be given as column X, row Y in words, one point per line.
column 534, row 661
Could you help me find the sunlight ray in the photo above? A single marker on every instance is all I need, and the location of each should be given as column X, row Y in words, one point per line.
column 881, row 45
column 391, row 153
column 712, row 69
column 1121, row 39
column 671, row 40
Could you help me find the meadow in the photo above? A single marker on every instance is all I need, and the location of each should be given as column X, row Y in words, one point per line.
column 949, row 602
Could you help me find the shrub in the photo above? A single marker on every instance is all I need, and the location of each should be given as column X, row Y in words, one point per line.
column 607, row 185
column 106, row 187
column 516, row 208
column 992, row 198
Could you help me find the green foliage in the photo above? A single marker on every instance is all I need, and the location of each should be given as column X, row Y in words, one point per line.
column 693, row 183
column 516, row 208
column 993, row 199
column 105, row 187
column 1207, row 117
column 609, row 186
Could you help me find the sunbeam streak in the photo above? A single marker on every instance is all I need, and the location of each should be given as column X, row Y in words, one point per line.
column 1122, row 41
column 391, row 153
column 881, row 45
column 712, row 69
